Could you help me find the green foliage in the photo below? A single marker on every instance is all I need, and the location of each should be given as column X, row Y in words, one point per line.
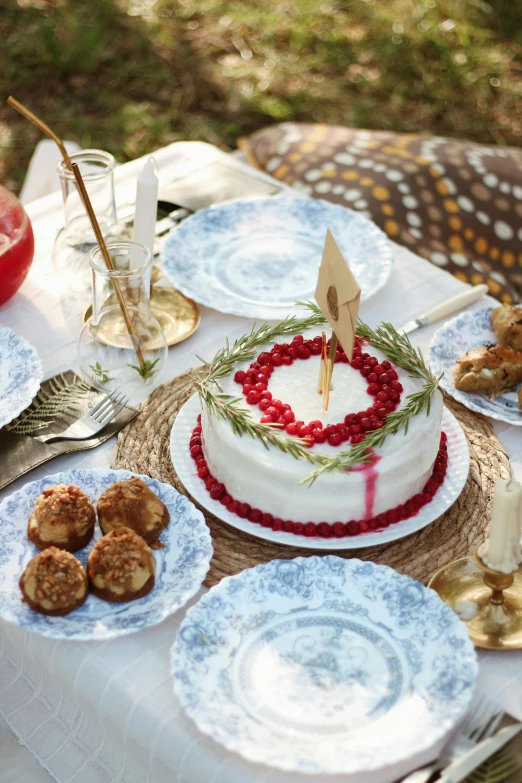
column 148, row 368
column 132, row 75
column 101, row 375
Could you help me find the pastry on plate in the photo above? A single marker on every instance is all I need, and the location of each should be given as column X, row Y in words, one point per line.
column 519, row 396
column 506, row 321
column 121, row 566
column 54, row 582
column 64, row 517
column 131, row 503
column 489, row 369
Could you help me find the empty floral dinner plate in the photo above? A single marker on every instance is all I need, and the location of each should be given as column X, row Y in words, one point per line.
column 323, row 665
column 181, row 565
column 20, row 374
column 455, row 338
column 258, row 257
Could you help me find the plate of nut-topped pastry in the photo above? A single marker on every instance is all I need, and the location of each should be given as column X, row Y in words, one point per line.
column 480, row 356
column 95, row 554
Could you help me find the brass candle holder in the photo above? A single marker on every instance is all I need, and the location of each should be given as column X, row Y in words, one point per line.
column 489, row 602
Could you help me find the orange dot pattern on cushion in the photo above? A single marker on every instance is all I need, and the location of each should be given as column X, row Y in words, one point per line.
column 456, row 203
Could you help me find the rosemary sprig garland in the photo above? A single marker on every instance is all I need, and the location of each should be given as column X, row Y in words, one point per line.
column 224, row 406
column 395, row 346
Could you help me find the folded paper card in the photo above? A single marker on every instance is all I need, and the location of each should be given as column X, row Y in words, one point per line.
column 338, row 294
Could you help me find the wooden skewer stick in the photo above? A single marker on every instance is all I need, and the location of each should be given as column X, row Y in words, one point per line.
column 334, row 342
column 94, row 222
column 325, row 362
column 322, row 364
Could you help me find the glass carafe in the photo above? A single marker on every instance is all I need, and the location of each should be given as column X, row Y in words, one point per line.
column 115, row 351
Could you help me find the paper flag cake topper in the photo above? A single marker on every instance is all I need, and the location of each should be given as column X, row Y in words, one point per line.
column 338, row 294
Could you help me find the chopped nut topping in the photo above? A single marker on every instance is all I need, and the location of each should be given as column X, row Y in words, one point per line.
column 118, row 554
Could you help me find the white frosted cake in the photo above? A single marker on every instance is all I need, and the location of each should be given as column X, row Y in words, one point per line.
column 263, row 484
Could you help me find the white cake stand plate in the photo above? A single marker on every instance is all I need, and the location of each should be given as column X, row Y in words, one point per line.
column 456, row 475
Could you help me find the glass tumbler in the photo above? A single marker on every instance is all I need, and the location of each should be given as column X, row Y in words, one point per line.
column 110, row 346
column 97, row 170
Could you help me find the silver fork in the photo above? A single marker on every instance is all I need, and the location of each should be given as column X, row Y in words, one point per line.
column 480, row 723
column 94, row 420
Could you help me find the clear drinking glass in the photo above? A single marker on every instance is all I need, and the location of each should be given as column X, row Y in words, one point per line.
column 108, row 354
column 97, row 170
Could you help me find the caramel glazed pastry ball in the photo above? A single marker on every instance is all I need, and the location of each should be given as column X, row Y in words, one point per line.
column 121, row 567
column 131, row 503
column 63, row 517
column 54, row 582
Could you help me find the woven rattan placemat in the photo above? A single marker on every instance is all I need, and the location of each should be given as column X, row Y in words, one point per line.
column 143, row 447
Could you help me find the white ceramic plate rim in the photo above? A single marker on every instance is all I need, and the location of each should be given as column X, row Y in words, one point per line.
column 458, row 469
column 173, row 602
column 31, row 386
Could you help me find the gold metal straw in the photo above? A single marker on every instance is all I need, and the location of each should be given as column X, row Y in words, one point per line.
column 94, row 222
column 40, row 124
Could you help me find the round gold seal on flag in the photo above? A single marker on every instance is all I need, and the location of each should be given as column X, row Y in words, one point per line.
column 331, row 300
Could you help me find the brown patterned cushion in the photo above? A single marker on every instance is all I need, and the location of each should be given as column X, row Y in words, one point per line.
column 456, row 203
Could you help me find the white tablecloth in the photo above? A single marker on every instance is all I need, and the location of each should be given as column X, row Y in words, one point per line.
column 100, row 713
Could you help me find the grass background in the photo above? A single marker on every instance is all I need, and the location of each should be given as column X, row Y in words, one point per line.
column 132, row 75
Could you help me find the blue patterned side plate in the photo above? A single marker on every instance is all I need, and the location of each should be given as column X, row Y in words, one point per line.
column 20, row 374
column 257, row 257
column 323, row 665
column 181, row 565
column 464, row 332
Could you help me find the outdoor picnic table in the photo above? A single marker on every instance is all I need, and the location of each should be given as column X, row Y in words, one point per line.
column 95, row 712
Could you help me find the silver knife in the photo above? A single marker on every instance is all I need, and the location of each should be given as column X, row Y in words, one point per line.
column 462, row 767
column 448, row 307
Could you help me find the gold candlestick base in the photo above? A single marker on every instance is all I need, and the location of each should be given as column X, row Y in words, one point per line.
column 487, row 601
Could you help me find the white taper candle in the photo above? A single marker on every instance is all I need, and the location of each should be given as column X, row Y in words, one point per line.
column 501, row 550
column 146, row 208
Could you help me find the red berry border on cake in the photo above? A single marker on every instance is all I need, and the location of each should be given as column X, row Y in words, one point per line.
column 382, row 380
column 218, row 491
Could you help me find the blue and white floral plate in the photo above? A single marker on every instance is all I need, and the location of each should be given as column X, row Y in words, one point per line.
column 258, row 257
column 181, row 565
column 469, row 330
column 323, row 665
column 20, row 374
